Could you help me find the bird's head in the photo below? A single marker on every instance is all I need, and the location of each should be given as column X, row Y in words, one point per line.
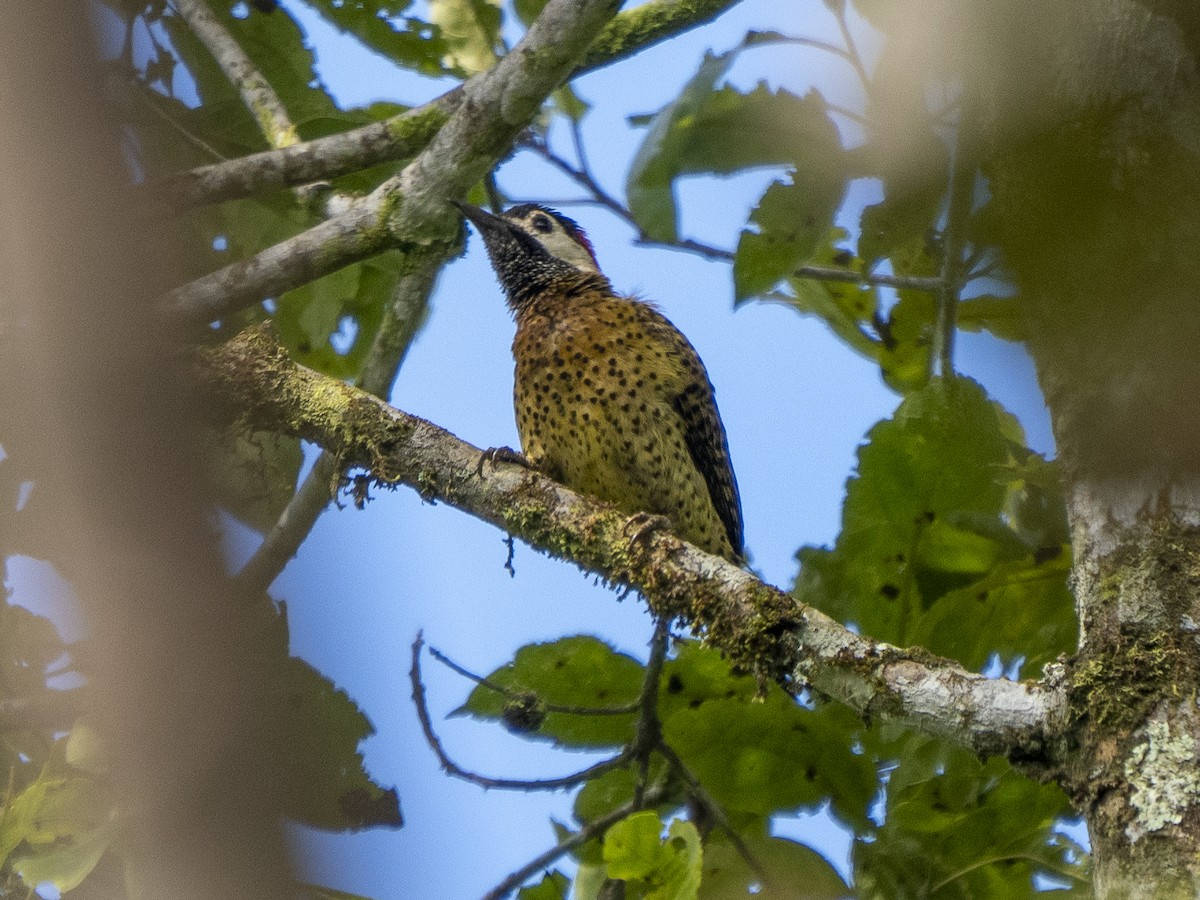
column 532, row 248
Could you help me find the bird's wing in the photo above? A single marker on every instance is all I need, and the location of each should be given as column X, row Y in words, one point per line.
column 705, row 437
column 692, row 397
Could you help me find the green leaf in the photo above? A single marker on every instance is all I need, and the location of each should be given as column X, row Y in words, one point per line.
column 719, row 131
column 925, row 517
column 789, row 867
column 408, row 42
column 553, row 886
column 667, row 869
column 848, row 309
column 698, row 674
column 329, row 786
column 999, row 315
column 67, row 863
column 794, row 220
column 470, row 30
column 581, row 672
column 632, row 846
column 603, row 794
column 762, row 758
column 979, row 829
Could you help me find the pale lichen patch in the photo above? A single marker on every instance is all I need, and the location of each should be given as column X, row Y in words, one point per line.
column 1162, row 773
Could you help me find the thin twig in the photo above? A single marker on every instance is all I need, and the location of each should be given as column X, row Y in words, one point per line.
column 648, row 735
column 958, row 207
column 593, row 829
column 852, row 54
column 452, row 768
column 626, row 710
column 687, row 245
column 700, row 795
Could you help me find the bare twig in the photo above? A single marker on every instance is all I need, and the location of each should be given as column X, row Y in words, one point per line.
column 961, row 199
column 593, row 829
column 817, row 273
column 452, row 768
column 648, row 736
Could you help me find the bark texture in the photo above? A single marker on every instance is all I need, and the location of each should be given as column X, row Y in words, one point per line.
column 1098, row 194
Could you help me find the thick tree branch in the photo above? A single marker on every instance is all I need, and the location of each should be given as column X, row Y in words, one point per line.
column 401, row 316
column 405, row 134
column 409, row 210
column 758, row 626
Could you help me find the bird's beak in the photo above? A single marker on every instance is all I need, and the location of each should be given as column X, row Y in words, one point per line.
column 482, row 219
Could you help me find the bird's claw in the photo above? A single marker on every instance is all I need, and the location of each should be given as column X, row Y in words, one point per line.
column 642, row 525
column 494, row 455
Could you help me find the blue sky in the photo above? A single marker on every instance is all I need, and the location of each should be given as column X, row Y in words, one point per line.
column 795, row 402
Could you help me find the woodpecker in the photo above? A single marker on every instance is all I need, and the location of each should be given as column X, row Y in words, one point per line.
column 611, row 399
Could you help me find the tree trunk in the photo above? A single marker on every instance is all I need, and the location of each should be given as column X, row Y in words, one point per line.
column 1097, row 193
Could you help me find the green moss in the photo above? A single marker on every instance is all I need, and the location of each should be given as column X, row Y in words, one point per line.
column 1117, row 687
column 638, row 28
column 413, row 130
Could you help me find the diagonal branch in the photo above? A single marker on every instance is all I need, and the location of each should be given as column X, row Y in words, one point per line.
column 256, row 92
column 405, row 134
column 760, row 627
column 409, row 210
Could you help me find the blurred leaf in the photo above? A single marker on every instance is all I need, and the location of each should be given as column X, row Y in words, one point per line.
column 719, row 131
column 904, row 357
column 907, row 214
column 29, row 645
column 791, row 869
column 987, row 312
column 330, row 788
column 254, row 472
column 528, row 10
column 576, row 671
column 553, row 886
column 470, row 30
column 67, row 863
column 410, row 43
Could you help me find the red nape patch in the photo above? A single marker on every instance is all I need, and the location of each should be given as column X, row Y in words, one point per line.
column 578, row 234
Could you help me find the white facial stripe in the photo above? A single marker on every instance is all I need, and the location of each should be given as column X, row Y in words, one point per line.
column 560, row 245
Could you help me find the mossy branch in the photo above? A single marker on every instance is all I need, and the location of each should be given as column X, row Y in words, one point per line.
column 759, row 627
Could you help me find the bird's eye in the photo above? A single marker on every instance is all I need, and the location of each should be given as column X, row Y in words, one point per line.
column 542, row 223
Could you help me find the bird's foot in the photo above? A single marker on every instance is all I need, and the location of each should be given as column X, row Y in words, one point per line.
column 641, row 526
column 494, row 455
